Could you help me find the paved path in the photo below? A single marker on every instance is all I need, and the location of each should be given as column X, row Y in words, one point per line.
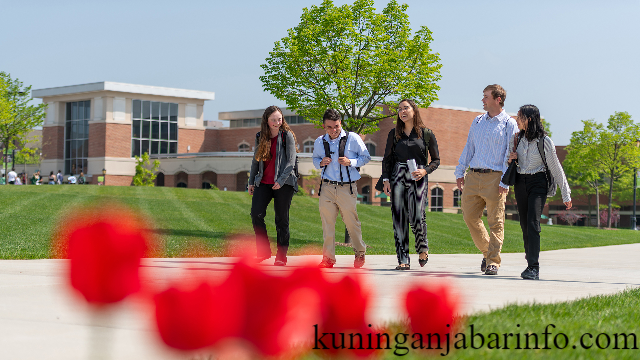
column 40, row 319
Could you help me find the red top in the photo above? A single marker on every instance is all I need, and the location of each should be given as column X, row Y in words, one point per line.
column 270, row 165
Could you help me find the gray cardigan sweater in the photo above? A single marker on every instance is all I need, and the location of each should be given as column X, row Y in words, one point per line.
column 285, row 161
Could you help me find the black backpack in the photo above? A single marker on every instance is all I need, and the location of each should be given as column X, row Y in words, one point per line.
column 327, row 153
column 284, row 144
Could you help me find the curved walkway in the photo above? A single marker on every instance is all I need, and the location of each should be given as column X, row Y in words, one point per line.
column 40, row 319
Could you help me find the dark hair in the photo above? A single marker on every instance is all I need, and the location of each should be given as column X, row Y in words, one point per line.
column 51, row 173
column 331, row 115
column 263, row 152
column 497, row 91
column 418, row 125
column 535, row 129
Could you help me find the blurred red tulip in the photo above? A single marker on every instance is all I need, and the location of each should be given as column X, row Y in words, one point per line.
column 344, row 314
column 190, row 319
column 431, row 311
column 105, row 250
column 346, row 305
column 266, row 308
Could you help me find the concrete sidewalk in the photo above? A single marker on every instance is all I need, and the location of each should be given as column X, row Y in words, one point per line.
column 41, row 319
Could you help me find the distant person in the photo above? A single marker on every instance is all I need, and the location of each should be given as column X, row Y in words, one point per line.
column 485, row 155
column 409, row 191
column 82, row 179
column 12, row 176
column 3, row 180
column 339, row 153
column 71, row 179
column 18, row 181
column 35, row 179
column 52, row 179
column 531, row 188
column 59, row 177
column 272, row 176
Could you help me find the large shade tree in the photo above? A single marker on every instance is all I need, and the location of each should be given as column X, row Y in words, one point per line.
column 352, row 59
column 17, row 116
column 599, row 152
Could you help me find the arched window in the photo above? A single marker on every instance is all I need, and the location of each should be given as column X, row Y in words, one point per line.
column 371, row 147
column 244, row 147
column 182, row 185
column 457, row 198
column 307, row 147
column 436, row 199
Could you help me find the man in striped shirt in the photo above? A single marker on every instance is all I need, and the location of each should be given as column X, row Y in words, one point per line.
column 485, row 155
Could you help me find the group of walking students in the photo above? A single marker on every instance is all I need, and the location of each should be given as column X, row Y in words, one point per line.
column 499, row 152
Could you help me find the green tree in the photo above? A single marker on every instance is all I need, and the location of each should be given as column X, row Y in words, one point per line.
column 352, row 59
column 145, row 176
column 608, row 153
column 17, row 117
column 547, row 127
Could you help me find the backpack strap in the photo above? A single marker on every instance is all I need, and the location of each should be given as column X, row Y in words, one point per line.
column 327, row 153
column 541, row 151
column 426, row 137
column 547, row 172
column 341, row 147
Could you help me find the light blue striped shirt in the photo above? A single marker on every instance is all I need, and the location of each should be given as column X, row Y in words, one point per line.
column 355, row 150
column 488, row 144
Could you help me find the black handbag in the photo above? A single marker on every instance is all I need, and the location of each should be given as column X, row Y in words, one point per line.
column 509, row 177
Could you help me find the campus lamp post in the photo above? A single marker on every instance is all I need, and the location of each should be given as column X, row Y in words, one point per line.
column 635, row 186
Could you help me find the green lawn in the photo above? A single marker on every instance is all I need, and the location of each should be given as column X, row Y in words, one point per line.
column 184, row 217
column 586, row 323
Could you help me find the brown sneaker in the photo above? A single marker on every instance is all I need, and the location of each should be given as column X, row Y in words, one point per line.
column 359, row 261
column 491, row 270
column 325, row 264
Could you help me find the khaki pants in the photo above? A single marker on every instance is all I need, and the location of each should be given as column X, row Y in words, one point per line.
column 481, row 190
column 334, row 198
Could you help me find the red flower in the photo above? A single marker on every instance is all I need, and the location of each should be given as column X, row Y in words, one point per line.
column 431, row 311
column 345, row 313
column 346, row 305
column 190, row 319
column 105, row 250
column 266, row 308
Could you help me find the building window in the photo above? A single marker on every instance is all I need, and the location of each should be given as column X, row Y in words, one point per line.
column 77, row 136
column 155, row 128
column 436, row 199
column 371, row 148
column 254, row 122
column 244, row 147
column 307, row 147
column 457, row 198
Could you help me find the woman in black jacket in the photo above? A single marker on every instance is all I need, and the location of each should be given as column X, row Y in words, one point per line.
column 410, row 140
column 272, row 177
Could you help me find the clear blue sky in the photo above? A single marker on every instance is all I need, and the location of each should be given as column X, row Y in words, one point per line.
column 575, row 60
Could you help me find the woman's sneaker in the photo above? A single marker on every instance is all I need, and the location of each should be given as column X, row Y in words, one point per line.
column 531, row 273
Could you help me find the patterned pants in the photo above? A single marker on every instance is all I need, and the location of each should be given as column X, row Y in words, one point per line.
column 408, row 205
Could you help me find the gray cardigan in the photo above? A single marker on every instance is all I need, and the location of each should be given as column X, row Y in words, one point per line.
column 285, row 161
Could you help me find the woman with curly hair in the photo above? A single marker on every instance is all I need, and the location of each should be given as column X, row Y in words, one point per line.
column 273, row 177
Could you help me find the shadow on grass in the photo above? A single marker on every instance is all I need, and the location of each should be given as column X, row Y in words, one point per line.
column 191, row 233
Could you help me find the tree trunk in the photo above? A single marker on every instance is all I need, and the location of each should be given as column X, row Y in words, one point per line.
column 610, row 200
column 6, row 164
column 598, row 204
column 589, row 207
